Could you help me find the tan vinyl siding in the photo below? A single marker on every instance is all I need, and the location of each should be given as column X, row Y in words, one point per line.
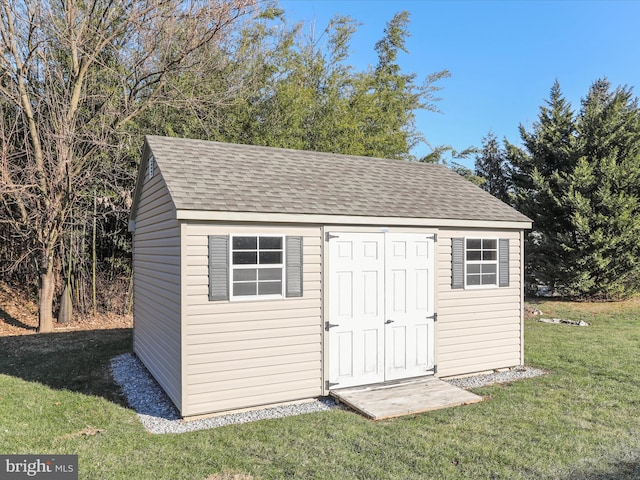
column 478, row 328
column 156, row 306
column 247, row 353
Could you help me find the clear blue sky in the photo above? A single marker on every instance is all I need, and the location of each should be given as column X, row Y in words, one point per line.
column 503, row 55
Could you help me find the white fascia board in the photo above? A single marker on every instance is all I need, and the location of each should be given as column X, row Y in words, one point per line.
column 206, row 215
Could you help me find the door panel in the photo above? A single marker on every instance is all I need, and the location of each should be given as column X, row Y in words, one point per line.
column 380, row 307
column 345, row 294
column 344, row 347
column 422, row 338
column 356, row 308
column 399, row 292
column 409, row 347
column 371, row 294
column 371, row 340
column 396, row 358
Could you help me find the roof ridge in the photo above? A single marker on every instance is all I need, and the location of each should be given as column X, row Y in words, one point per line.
column 297, row 151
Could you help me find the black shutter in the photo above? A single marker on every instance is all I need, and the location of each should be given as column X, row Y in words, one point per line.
column 457, row 263
column 503, row 262
column 218, row 267
column 294, row 267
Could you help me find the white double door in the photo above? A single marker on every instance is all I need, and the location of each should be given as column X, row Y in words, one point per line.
column 381, row 307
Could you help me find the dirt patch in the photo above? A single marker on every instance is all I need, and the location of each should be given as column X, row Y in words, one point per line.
column 19, row 316
column 85, row 432
column 229, row 476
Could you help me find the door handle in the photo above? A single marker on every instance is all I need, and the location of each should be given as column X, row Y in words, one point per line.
column 389, row 321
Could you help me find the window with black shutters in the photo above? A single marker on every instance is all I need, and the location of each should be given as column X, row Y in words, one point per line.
column 479, row 262
column 257, row 266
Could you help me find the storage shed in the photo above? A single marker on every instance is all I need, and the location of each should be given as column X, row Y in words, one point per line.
column 265, row 275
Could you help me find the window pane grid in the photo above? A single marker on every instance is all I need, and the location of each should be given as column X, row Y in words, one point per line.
column 481, row 262
column 257, row 265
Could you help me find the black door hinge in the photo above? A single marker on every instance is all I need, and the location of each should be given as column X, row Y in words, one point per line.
column 330, row 236
column 434, row 316
column 328, row 325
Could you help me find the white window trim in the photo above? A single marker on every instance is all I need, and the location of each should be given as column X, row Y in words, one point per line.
column 495, row 262
column 232, row 268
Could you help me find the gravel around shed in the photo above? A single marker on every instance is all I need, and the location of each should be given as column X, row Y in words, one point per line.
column 158, row 415
column 475, row 381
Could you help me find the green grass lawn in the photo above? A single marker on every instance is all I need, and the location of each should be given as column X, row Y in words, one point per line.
column 580, row 421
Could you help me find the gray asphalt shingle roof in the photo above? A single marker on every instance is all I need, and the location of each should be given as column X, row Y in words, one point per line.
column 214, row 176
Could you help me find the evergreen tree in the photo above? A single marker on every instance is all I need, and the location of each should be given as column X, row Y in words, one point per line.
column 549, row 152
column 604, row 196
column 491, row 165
column 578, row 178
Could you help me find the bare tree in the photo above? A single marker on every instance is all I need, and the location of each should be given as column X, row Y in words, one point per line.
column 73, row 74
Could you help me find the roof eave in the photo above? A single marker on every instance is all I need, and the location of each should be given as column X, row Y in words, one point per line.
column 268, row 217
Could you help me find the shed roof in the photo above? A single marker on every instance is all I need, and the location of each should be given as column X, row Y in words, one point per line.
column 212, row 176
